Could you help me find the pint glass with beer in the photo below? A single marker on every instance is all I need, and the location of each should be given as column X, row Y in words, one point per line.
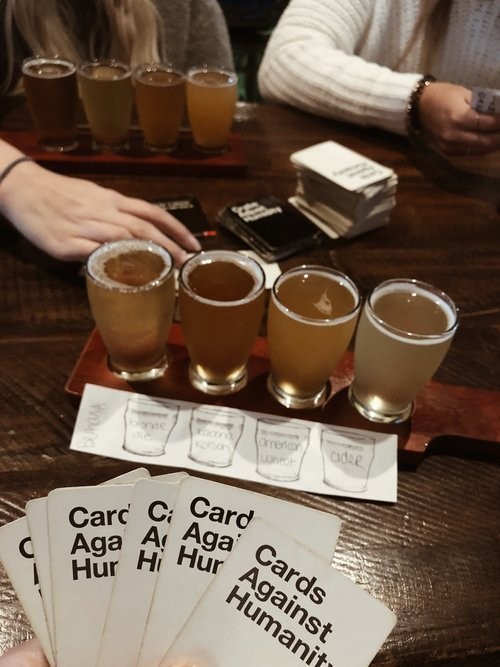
column 52, row 96
column 160, row 93
column 403, row 335
column 107, row 97
column 221, row 303
column 312, row 315
column 131, row 290
column 211, row 101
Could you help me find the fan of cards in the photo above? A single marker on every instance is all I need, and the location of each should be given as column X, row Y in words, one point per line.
column 178, row 570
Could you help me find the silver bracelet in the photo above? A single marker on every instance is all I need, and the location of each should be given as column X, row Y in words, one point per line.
column 11, row 165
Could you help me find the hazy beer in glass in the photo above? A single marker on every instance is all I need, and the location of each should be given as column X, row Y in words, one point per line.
column 52, row 96
column 312, row 316
column 160, row 93
column 131, row 290
column 221, row 303
column 107, row 97
column 403, row 335
column 211, row 101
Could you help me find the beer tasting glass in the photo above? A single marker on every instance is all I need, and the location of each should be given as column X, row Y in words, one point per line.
column 211, row 101
column 131, row 290
column 52, row 96
column 221, row 303
column 312, row 315
column 403, row 335
column 107, row 96
column 160, row 93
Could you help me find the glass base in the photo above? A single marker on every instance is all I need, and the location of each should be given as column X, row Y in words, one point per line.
column 296, row 402
column 374, row 415
column 206, row 150
column 155, row 148
column 142, row 376
column 217, row 388
column 56, row 148
column 110, row 148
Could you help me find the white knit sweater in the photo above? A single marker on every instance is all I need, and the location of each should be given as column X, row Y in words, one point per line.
column 337, row 58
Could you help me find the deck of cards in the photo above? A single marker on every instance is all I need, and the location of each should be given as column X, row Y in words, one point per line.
column 485, row 100
column 176, row 570
column 344, row 193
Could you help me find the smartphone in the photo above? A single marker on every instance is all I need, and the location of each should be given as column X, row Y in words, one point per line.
column 273, row 228
column 188, row 210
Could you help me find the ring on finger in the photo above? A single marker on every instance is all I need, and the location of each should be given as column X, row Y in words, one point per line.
column 476, row 121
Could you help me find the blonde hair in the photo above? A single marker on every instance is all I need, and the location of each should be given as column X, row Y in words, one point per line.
column 133, row 30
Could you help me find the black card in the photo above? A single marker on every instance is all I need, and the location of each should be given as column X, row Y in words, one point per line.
column 188, row 210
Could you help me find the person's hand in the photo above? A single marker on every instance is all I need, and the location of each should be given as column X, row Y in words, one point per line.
column 452, row 125
column 69, row 217
column 27, row 654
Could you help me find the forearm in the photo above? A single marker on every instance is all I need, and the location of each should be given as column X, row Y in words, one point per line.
column 311, row 63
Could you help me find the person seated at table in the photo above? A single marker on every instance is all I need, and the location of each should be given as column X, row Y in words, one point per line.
column 365, row 62
column 69, row 217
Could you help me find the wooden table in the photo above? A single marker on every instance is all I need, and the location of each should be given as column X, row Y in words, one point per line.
column 433, row 557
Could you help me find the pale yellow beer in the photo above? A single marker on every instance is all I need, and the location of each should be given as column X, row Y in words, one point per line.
column 160, row 93
column 211, row 102
column 221, row 303
column 52, row 96
column 131, row 290
column 107, row 97
column 403, row 335
column 312, row 316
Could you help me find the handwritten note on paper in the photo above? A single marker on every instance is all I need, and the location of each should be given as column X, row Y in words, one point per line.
column 292, row 453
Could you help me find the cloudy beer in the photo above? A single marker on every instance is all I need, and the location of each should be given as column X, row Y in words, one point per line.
column 131, row 291
column 221, row 302
column 160, row 99
column 404, row 333
column 312, row 315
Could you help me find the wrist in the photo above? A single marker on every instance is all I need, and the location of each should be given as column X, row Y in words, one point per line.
column 413, row 125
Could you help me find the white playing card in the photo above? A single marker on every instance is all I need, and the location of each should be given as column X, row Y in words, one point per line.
column 275, row 602
column 485, row 100
column 208, row 519
column 17, row 557
column 86, row 527
column 149, row 517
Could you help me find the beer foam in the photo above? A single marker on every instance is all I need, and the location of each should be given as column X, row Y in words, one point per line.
column 229, row 256
column 409, row 337
column 49, row 68
column 96, row 263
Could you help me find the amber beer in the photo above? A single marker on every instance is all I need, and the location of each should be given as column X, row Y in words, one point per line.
column 211, row 101
column 131, row 290
column 312, row 316
column 107, row 96
column 160, row 93
column 404, row 333
column 52, row 96
column 221, row 303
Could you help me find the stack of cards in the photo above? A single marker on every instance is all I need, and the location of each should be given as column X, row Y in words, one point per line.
column 172, row 570
column 342, row 192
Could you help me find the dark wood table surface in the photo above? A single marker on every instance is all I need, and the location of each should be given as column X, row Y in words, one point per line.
column 433, row 557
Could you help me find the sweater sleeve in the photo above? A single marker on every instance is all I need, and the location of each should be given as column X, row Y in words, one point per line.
column 312, row 62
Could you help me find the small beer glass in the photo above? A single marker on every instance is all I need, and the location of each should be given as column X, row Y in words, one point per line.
column 131, row 290
column 211, row 101
column 52, row 96
column 312, row 316
column 107, row 96
column 403, row 335
column 221, row 303
column 160, row 93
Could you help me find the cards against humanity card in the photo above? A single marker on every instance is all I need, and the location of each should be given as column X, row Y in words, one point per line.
column 486, row 100
column 142, row 547
column 208, row 519
column 86, row 527
column 276, row 602
column 188, row 210
column 16, row 554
